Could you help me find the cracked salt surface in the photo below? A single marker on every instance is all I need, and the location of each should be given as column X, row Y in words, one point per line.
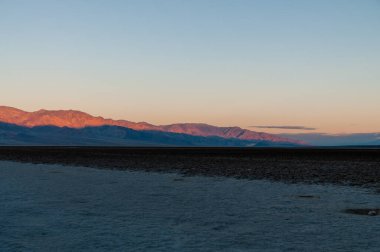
column 57, row 208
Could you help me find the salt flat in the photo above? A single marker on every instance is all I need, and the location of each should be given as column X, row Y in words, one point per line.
column 63, row 208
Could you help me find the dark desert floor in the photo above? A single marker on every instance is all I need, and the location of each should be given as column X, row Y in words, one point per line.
column 50, row 207
column 66, row 208
column 360, row 167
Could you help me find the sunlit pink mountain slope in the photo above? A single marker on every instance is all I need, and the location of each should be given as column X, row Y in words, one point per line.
column 78, row 119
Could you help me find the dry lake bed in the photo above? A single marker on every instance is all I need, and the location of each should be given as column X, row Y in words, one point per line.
column 48, row 207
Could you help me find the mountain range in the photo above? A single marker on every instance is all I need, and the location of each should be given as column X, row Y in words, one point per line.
column 71, row 127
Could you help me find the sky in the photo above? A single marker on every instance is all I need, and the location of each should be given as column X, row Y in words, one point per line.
column 285, row 66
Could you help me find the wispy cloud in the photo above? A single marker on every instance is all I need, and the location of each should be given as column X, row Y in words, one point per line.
column 283, row 127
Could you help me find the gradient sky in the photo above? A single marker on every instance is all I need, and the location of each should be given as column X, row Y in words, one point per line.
column 262, row 63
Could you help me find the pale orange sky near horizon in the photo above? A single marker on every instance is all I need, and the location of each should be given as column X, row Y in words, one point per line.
column 226, row 63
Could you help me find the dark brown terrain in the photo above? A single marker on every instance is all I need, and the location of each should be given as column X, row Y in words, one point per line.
column 359, row 167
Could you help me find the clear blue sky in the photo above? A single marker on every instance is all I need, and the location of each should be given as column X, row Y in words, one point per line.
column 236, row 62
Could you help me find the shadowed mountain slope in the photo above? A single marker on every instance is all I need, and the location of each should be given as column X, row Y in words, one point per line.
column 13, row 135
